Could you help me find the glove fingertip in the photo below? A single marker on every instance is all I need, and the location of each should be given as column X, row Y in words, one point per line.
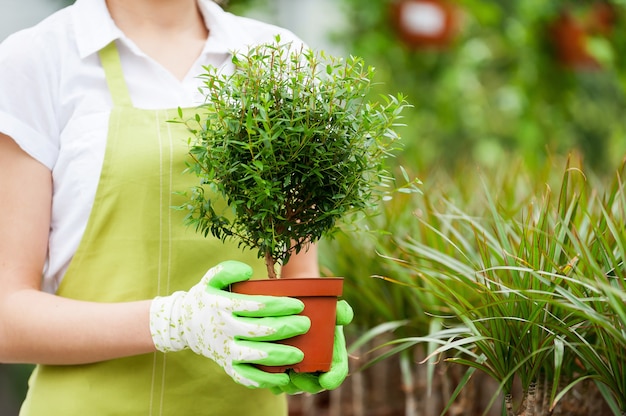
column 345, row 313
column 227, row 272
column 237, row 266
column 260, row 379
column 331, row 381
column 281, row 305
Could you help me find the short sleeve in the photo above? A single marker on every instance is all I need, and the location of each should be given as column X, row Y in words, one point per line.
column 28, row 95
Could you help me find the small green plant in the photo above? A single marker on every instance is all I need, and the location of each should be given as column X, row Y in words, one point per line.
column 535, row 294
column 290, row 141
column 512, row 275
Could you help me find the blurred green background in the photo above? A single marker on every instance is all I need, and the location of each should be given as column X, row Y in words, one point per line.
column 531, row 78
column 490, row 81
column 505, row 83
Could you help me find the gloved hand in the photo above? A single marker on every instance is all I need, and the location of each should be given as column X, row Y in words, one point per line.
column 316, row 382
column 228, row 327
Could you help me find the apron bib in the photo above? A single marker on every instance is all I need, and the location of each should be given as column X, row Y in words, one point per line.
column 135, row 247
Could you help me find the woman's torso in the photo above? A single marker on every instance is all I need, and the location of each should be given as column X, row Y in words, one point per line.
column 63, row 123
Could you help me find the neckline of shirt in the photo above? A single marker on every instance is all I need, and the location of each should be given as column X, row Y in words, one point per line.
column 94, row 28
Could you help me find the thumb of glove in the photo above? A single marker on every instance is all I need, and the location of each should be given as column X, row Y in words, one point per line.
column 227, row 273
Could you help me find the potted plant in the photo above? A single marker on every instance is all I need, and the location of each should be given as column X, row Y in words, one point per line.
column 291, row 142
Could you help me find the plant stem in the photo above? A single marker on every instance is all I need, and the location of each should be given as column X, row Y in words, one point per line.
column 358, row 390
column 308, row 405
column 270, row 265
column 508, row 402
column 408, row 383
column 532, row 390
column 545, row 400
column 335, row 402
column 528, row 404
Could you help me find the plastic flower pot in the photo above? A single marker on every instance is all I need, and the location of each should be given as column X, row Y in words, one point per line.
column 319, row 296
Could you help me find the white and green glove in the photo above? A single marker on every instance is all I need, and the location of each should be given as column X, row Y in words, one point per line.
column 316, row 382
column 230, row 328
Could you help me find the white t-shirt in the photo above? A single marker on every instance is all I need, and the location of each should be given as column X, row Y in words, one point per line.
column 54, row 101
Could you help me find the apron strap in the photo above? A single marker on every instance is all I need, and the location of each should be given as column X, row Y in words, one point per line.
column 110, row 59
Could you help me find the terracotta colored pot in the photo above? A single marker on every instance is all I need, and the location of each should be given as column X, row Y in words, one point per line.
column 425, row 23
column 569, row 39
column 320, row 305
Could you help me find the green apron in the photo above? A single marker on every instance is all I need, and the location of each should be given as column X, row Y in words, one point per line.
column 136, row 247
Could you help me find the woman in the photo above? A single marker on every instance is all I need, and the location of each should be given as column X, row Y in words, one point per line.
column 89, row 167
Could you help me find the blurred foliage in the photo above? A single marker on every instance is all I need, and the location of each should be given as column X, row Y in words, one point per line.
column 20, row 373
column 14, row 381
column 472, row 264
column 499, row 87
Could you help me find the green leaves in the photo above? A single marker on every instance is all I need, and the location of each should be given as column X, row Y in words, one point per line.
column 532, row 287
column 290, row 142
column 521, row 269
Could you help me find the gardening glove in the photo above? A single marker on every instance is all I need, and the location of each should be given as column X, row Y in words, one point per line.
column 230, row 328
column 316, row 382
